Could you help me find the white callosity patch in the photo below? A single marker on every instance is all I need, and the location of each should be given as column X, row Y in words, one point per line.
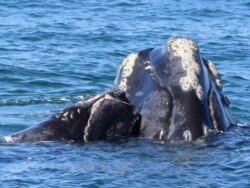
column 186, row 49
column 72, row 115
column 162, row 134
column 204, row 129
column 78, row 110
column 65, row 114
column 127, row 69
column 187, row 135
column 215, row 74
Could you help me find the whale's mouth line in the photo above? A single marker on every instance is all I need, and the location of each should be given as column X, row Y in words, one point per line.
column 152, row 73
column 150, row 69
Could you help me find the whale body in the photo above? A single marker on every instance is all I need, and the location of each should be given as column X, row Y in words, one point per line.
column 168, row 93
column 105, row 116
column 177, row 91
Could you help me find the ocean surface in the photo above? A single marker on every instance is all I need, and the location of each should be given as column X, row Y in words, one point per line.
column 53, row 53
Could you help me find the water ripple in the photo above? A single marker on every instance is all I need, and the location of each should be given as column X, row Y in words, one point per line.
column 53, row 53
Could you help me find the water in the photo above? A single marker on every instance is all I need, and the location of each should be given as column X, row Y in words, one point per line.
column 53, row 53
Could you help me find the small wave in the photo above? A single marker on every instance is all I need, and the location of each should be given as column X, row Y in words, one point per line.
column 242, row 125
column 42, row 83
column 28, row 101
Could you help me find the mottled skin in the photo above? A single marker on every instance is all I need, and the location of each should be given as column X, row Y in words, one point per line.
column 176, row 91
column 104, row 116
column 178, row 94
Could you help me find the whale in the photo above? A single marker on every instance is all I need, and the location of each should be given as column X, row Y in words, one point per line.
column 177, row 91
column 165, row 93
column 105, row 116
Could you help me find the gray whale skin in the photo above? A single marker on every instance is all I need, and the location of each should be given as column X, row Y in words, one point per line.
column 165, row 93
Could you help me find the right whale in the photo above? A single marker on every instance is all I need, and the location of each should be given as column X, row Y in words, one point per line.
column 177, row 91
column 166, row 93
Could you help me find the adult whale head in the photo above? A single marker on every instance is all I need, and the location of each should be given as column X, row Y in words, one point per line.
column 178, row 93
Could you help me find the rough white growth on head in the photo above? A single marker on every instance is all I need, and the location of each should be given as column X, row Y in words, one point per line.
column 213, row 111
column 187, row 135
column 204, row 129
column 78, row 110
column 213, row 69
column 215, row 74
column 127, row 69
column 72, row 115
column 162, row 134
column 149, row 68
column 65, row 114
column 186, row 49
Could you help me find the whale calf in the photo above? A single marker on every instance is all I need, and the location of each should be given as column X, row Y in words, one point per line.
column 168, row 93
column 105, row 116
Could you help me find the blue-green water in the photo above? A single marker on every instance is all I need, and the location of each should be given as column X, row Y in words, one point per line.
column 52, row 53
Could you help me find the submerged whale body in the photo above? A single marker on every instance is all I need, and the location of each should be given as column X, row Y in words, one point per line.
column 166, row 93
